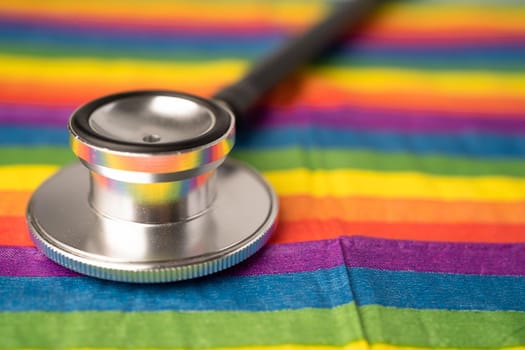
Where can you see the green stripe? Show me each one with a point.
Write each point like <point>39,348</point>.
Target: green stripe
<point>36,155</point>
<point>292,158</point>
<point>338,326</point>
<point>54,51</point>
<point>333,62</point>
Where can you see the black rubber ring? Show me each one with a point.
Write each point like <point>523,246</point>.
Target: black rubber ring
<point>79,124</point>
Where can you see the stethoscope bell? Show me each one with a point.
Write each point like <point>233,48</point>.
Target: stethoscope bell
<point>153,198</point>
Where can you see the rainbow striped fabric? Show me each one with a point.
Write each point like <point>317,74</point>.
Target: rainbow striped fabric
<point>398,159</point>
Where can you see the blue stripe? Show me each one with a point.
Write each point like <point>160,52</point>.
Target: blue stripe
<point>428,290</point>
<point>464,144</point>
<point>324,288</point>
<point>78,41</point>
<point>488,57</point>
<point>157,45</point>
<point>20,29</point>
<point>33,136</point>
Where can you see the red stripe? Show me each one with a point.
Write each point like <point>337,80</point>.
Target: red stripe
<point>312,230</point>
<point>314,93</point>
<point>14,232</point>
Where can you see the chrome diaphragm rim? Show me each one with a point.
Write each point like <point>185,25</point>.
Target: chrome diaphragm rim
<point>223,243</point>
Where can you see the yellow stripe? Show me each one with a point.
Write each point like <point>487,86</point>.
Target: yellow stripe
<point>436,16</point>
<point>187,74</point>
<point>465,83</point>
<point>396,185</point>
<point>338,183</point>
<point>85,70</point>
<point>24,177</point>
<point>358,345</point>
<point>200,11</point>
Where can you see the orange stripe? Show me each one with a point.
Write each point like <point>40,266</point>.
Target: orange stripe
<point>261,23</point>
<point>313,93</point>
<point>13,231</point>
<point>319,92</point>
<point>13,203</point>
<point>312,230</point>
<point>304,207</point>
<point>390,19</point>
<point>45,93</point>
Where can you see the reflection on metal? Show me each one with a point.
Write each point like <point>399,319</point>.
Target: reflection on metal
<point>153,199</point>
<point>130,212</point>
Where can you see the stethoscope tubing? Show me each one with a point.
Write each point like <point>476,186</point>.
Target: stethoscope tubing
<point>242,96</point>
<point>165,203</point>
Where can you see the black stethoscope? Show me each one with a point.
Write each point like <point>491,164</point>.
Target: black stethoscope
<point>154,197</point>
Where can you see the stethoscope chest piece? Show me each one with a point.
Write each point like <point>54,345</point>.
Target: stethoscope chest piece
<point>153,198</point>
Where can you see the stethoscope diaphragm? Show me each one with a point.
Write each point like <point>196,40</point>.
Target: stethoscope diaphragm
<point>154,197</point>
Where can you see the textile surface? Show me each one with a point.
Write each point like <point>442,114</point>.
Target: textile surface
<point>398,159</point>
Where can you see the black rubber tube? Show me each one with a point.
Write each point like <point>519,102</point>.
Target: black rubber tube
<point>243,95</point>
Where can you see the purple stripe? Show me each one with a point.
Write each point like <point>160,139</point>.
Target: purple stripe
<point>463,258</point>
<point>29,261</point>
<point>355,251</point>
<point>420,40</point>
<point>348,117</point>
<point>34,115</point>
<point>406,121</point>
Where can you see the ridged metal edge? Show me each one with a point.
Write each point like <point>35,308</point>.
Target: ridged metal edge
<point>157,275</point>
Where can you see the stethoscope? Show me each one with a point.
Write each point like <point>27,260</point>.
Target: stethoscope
<point>154,197</point>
